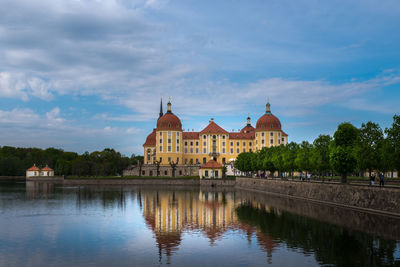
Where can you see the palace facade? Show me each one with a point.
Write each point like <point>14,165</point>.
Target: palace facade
<point>170,144</point>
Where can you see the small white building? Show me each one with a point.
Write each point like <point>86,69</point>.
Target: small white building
<point>47,171</point>
<point>33,171</point>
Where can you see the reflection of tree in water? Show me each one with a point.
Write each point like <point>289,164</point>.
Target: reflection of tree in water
<point>329,243</point>
<point>116,197</point>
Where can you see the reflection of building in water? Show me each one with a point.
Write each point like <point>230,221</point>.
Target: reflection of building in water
<point>38,189</point>
<point>169,214</point>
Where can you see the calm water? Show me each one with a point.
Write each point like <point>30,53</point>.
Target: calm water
<point>50,225</point>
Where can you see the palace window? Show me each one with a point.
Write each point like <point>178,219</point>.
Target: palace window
<point>262,141</point>
<point>185,143</point>
<point>143,172</point>
<point>262,134</point>
<point>256,142</point>
<point>185,161</point>
<point>279,134</point>
<point>272,134</point>
<point>177,141</point>
<point>180,172</point>
<point>244,143</point>
<point>283,139</point>
<point>191,143</point>
<point>223,150</point>
<point>237,144</point>
<point>197,161</point>
<point>256,134</point>
<point>223,160</point>
<point>223,143</point>
<point>169,159</point>
<point>204,143</point>
<point>165,172</point>
<point>206,173</point>
<point>231,150</point>
<point>223,137</point>
<point>204,150</point>
<point>169,148</point>
<point>197,143</point>
<point>177,148</point>
<point>204,136</point>
<point>160,141</point>
<point>250,144</point>
<point>169,140</point>
<point>214,137</point>
<point>279,141</point>
<point>197,150</point>
<point>237,151</point>
<point>191,150</point>
<point>244,149</point>
<point>271,141</point>
<point>160,148</point>
<point>169,133</point>
<point>177,134</point>
<point>160,133</point>
<point>231,143</point>
<point>204,160</point>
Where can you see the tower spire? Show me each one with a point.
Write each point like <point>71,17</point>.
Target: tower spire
<point>268,107</point>
<point>169,105</point>
<point>161,109</point>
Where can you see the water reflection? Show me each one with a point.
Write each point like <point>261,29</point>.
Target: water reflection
<point>279,228</point>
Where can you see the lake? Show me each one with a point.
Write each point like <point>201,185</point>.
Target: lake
<point>45,224</point>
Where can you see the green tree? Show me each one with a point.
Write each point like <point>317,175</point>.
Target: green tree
<point>367,149</point>
<point>341,155</point>
<point>320,154</point>
<point>289,157</point>
<point>303,159</point>
<point>393,136</point>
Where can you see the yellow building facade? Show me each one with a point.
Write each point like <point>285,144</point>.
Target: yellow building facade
<point>169,144</point>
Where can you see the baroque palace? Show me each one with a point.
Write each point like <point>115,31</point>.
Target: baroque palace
<point>169,145</point>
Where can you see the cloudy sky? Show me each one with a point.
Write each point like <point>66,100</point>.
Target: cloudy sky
<point>85,75</point>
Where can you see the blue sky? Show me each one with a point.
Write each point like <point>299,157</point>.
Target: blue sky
<point>86,75</point>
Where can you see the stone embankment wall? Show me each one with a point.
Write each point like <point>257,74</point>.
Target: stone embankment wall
<point>152,181</point>
<point>375,199</point>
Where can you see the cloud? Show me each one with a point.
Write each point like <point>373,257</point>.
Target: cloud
<point>28,128</point>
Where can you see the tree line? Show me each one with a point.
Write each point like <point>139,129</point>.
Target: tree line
<point>14,161</point>
<point>351,150</point>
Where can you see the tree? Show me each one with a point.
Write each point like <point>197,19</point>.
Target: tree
<point>277,158</point>
<point>368,147</point>
<point>304,156</point>
<point>320,154</point>
<point>341,155</point>
<point>244,162</point>
<point>393,136</point>
<point>289,157</point>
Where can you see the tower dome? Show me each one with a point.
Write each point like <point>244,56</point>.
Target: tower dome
<point>268,122</point>
<point>169,121</point>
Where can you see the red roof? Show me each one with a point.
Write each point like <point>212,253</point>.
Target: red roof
<point>249,135</point>
<point>212,127</point>
<point>268,122</point>
<point>33,168</point>
<point>211,164</point>
<point>190,135</point>
<point>151,139</point>
<point>284,134</point>
<point>247,129</point>
<point>169,121</point>
<point>47,168</point>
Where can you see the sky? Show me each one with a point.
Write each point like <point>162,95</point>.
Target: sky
<point>87,75</point>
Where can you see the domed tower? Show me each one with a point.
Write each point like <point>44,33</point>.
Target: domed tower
<point>269,130</point>
<point>169,138</point>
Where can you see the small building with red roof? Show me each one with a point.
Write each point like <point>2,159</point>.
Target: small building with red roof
<point>211,170</point>
<point>33,171</point>
<point>47,171</point>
